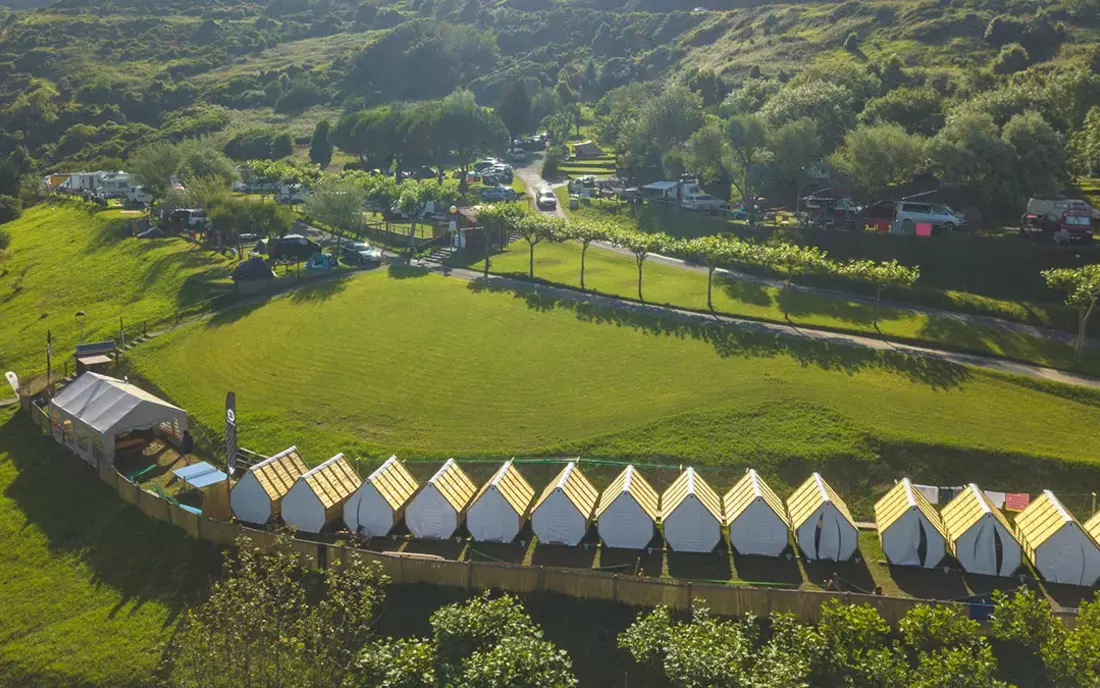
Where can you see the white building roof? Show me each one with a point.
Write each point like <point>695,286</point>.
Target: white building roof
<point>104,403</point>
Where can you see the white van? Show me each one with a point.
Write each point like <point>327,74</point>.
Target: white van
<point>935,214</point>
<point>702,201</point>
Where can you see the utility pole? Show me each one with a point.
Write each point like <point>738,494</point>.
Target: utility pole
<point>49,381</point>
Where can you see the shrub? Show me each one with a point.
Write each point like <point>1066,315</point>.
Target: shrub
<point>554,158</point>
<point>10,209</point>
<point>851,43</point>
<point>5,239</point>
<point>1012,58</point>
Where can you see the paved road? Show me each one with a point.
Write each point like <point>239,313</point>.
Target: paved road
<point>531,174</point>
<point>786,330</point>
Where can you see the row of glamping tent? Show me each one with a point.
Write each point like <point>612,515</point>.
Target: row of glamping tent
<point>627,514</point>
<point>973,530</point>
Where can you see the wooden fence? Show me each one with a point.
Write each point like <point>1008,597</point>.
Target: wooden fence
<point>723,599</point>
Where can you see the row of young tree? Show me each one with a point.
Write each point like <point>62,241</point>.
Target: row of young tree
<point>271,621</point>
<point>719,251</point>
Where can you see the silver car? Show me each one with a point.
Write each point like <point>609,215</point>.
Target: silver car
<point>936,214</point>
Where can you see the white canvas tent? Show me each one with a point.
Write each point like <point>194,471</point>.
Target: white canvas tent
<point>691,513</point>
<point>979,535</point>
<point>822,524</point>
<point>93,410</point>
<point>318,496</point>
<point>436,511</point>
<point>627,514</point>
<point>380,501</point>
<point>563,512</point>
<point>757,518</point>
<point>500,507</point>
<point>258,495</point>
<point>910,529</point>
<point>1056,544</point>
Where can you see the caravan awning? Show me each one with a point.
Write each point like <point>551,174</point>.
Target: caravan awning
<point>661,186</point>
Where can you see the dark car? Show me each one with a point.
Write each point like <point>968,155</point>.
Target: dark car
<point>292,248</point>
<point>360,253</point>
<point>546,199</point>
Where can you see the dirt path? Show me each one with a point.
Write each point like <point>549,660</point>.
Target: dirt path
<point>531,174</point>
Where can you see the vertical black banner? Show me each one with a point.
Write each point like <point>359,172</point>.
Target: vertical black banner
<point>231,431</point>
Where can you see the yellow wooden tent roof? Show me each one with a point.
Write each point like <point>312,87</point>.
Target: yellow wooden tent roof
<point>1092,527</point>
<point>967,508</point>
<point>899,500</point>
<point>277,474</point>
<point>691,483</point>
<point>455,486</point>
<point>631,482</point>
<point>810,496</point>
<point>746,491</point>
<point>1040,521</point>
<point>393,482</point>
<point>576,488</point>
<point>512,486</point>
<point>333,481</point>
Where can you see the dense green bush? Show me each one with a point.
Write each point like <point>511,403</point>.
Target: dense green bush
<point>1012,58</point>
<point>10,209</point>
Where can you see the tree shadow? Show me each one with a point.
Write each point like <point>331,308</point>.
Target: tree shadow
<point>744,340</point>
<point>406,271</point>
<point>844,576</point>
<point>757,569</point>
<point>579,557</point>
<point>745,291</point>
<point>506,552</point>
<point>322,290</point>
<point>448,549</point>
<point>635,562</point>
<point>800,303</point>
<point>62,497</point>
<point>701,566</point>
<point>947,582</point>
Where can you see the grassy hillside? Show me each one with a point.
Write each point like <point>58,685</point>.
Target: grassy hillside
<point>64,259</point>
<point>91,586</point>
<point>426,366</point>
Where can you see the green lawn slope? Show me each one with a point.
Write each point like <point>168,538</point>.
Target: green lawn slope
<point>65,259</point>
<point>614,273</point>
<point>90,587</point>
<point>429,367</point>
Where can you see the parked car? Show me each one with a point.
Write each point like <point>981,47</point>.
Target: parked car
<point>1061,219</point>
<point>704,202</point>
<point>485,164</point>
<point>546,199</point>
<point>498,193</point>
<point>152,233</point>
<point>360,253</point>
<point>188,217</point>
<point>517,155</point>
<point>291,248</point>
<point>321,261</point>
<point>938,215</point>
<point>423,173</point>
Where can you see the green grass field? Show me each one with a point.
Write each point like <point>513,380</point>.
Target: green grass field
<point>91,586</point>
<point>613,273</point>
<point>429,367</point>
<point>64,259</point>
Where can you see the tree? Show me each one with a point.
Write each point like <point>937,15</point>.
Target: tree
<point>708,156</point>
<point>790,259</point>
<point>851,43</point>
<point>1040,149</point>
<point>746,136</point>
<point>881,276</point>
<point>918,110</point>
<point>927,628</point>
<point>499,219</point>
<point>1074,656</point>
<point>535,227</point>
<point>155,165</point>
<point>472,130</point>
<point>969,152</point>
<point>320,149</point>
<point>270,622</point>
<point>1012,58</point>
<point>338,205</point>
<point>714,251</point>
<point>828,103</point>
<point>482,643</point>
<point>878,156</point>
<point>641,244</point>
<point>1084,145</point>
<point>652,127</point>
<point>1082,287</point>
<point>795,147</point>
<point>557,126</point>
<point>1023,618</point>
<point>199,160</point>
<point>413,197</point>
<point>585,232</point>
<point>514,107</point>
<point>10,209</point>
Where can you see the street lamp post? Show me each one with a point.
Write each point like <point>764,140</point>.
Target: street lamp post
<point>80,316</point>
